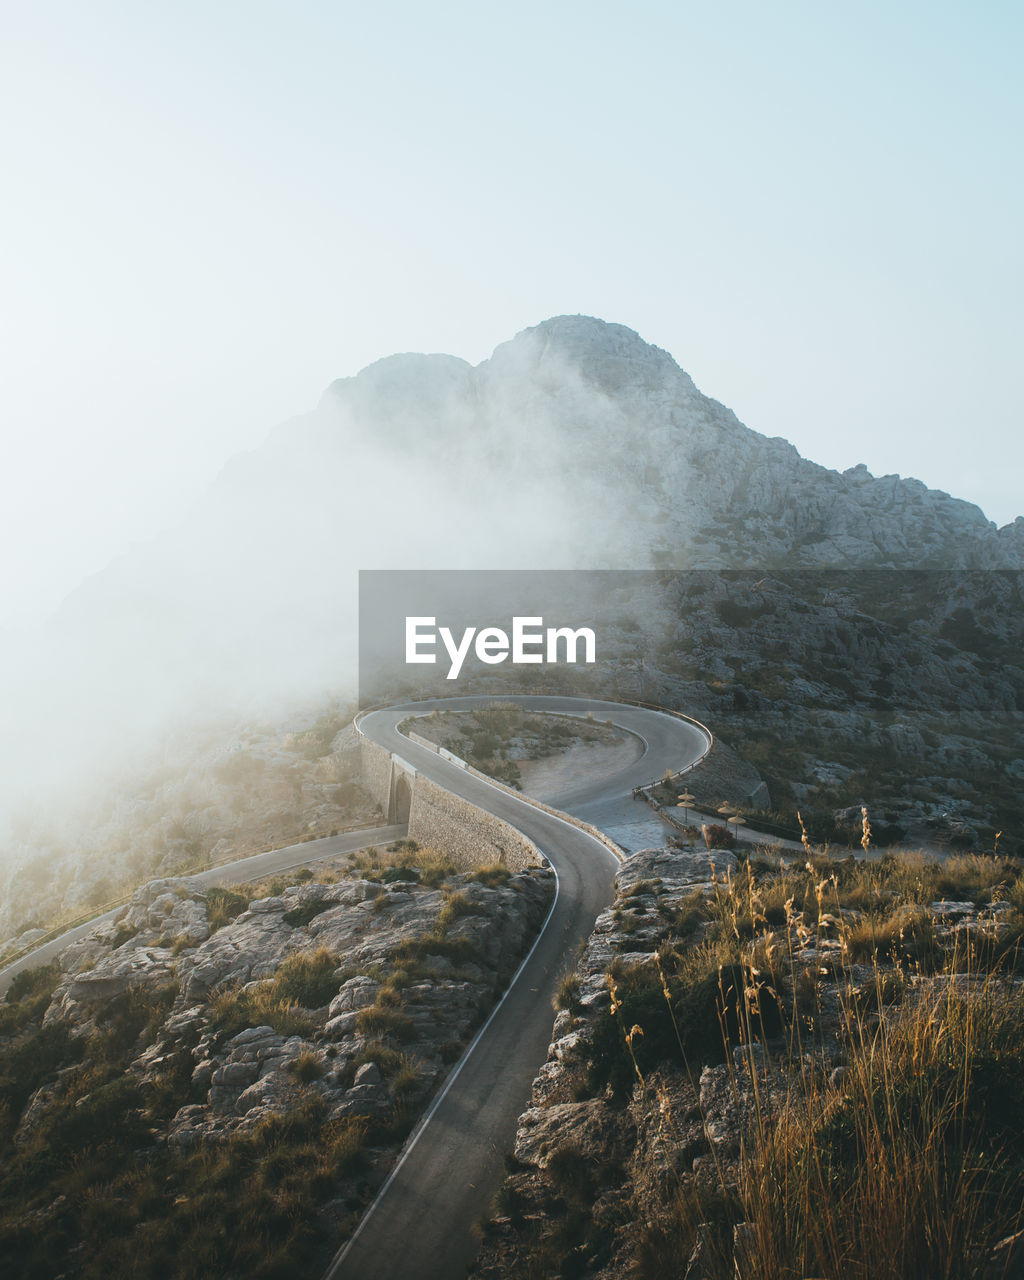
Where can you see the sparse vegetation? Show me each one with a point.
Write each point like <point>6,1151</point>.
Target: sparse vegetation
<point>404,860</point>
<point>899,1158</point>
<point>96,1174</point>
<point>28,997</point>
<point>309,978</point>
<point>307,1067</point>
<point>223,905</point>
<point>224,802</point>
<point>497,738</point>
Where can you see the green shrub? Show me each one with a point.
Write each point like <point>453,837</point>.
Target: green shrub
<point>134,1014</point>
<point>28,997</point>
<point>32,1061</point>
<point>32,982</point>
<point>110,1112</point>
<point>457,950</point>
<point>301,915</point>
<point>307,1067</point>
<point>223,905</point>
<point>401,872</point>
<point>308,978</point>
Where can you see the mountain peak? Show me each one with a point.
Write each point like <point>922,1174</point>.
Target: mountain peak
<point>610,356</point>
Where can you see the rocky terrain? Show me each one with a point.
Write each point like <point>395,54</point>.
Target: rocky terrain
<point>637,1154</point>
<point>903,692</point>
<point>617,421</point>
<point>209,1019</point>
<point>904,695</point>
<point>209,797</point>
<point>891,687</point>
<point>573,1130</point>
<point>500,739</point>
<point>593,445</point>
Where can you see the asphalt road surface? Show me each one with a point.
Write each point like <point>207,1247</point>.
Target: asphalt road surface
<point>255,867</point>
<point>420,1225</point>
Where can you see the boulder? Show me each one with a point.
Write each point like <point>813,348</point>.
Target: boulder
<point>368,1073</point>
<point>543,1130</point>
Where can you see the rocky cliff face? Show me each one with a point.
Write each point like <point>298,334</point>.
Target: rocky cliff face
<point>622,431</point>
<point>290,1035</point>
<point>576,445</point>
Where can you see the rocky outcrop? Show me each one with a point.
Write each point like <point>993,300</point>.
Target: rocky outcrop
<point>561,1132</point>
<point>694,485</point>
<point>161,947</point>
<point>600,1168</point>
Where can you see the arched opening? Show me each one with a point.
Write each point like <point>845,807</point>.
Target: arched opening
<point>401,801</point>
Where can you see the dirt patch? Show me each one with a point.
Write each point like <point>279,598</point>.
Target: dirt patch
<point>581,763</point>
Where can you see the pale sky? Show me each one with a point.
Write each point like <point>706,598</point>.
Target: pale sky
<point>211,210</point>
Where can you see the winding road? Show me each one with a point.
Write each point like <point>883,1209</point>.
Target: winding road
<point>255,867</point>
<point>419,1227</point>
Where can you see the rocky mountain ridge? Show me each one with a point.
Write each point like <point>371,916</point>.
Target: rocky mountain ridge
<point>625,420</point>
<point>576,445</point>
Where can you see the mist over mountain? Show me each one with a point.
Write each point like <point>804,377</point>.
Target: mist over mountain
<point>577,444</point>
<point>590,411</point>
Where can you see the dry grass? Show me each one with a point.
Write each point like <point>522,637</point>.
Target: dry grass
<point>404,860</point>
<point>306,981</point>
<point>307,1067</point>
<point>905,1165</point>
<point>455,906</point>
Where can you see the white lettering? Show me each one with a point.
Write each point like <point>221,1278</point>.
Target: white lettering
<point>413,640</point>
<point>571,638</point>
<point>530,643</point>
<point>492,645</point>
<point>521,637</point>
<point>457,652</point>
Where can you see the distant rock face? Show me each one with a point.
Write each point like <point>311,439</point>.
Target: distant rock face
<point>688,483</point>
<point>576,445</point>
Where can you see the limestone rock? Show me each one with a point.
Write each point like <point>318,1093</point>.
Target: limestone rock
<point>543,1130</point>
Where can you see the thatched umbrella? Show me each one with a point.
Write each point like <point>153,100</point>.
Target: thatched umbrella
<point>683,802</point>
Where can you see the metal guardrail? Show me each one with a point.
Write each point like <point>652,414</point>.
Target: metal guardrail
<point>56,930</point>
<point>679,715</point>
<point>622,702</point>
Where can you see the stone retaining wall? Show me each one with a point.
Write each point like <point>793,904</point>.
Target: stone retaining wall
<point>467,834</point>
<point>376,770</point>
<point>470,836</point>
